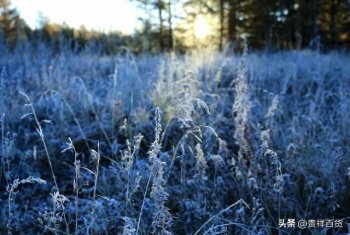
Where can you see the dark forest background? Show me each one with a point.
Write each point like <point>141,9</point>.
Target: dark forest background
<point>269,24</point>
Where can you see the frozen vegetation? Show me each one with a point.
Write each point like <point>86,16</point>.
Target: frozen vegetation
<point>203,143</point>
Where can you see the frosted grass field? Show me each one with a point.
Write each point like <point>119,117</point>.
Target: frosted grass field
<point>204,143</point>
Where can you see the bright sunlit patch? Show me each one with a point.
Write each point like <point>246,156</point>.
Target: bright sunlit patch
<point>201,27</point>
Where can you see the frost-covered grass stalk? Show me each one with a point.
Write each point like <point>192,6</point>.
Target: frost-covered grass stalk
<point>201,164</point>
<point>162,219</point>
<point>221,212</point>
<point>2,119</point>
<point>128,159</point>
<point>52,219</point>
<point>76,186</point>
<point>242,104</point>
<point>12,189</point>
<point>155,164</point>
<point>42,137</point>
<point>41,134</point>
<point>97,157</point>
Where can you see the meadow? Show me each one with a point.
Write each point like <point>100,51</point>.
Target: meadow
<point>202,143</point>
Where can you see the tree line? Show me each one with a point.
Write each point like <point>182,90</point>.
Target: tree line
<point>266,24</point>
<point>167,24</point>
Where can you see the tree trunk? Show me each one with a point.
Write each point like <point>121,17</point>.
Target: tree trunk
<point>314,14</point>
<point>333,23</point>
<point>232,21</point>
<point>171,38</point>
<point>222,15</point>
<point>161,30</point>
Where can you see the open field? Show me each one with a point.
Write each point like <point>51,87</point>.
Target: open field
<point>203,143</point>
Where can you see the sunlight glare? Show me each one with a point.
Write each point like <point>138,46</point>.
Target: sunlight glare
<point>201,27</point>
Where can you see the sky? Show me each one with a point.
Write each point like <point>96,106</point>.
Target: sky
<point>102,15</point>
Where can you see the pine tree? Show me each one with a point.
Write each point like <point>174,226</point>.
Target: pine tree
<point>11,24</point>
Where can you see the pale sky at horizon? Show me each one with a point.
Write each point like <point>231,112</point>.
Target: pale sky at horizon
<point>102,15</point>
